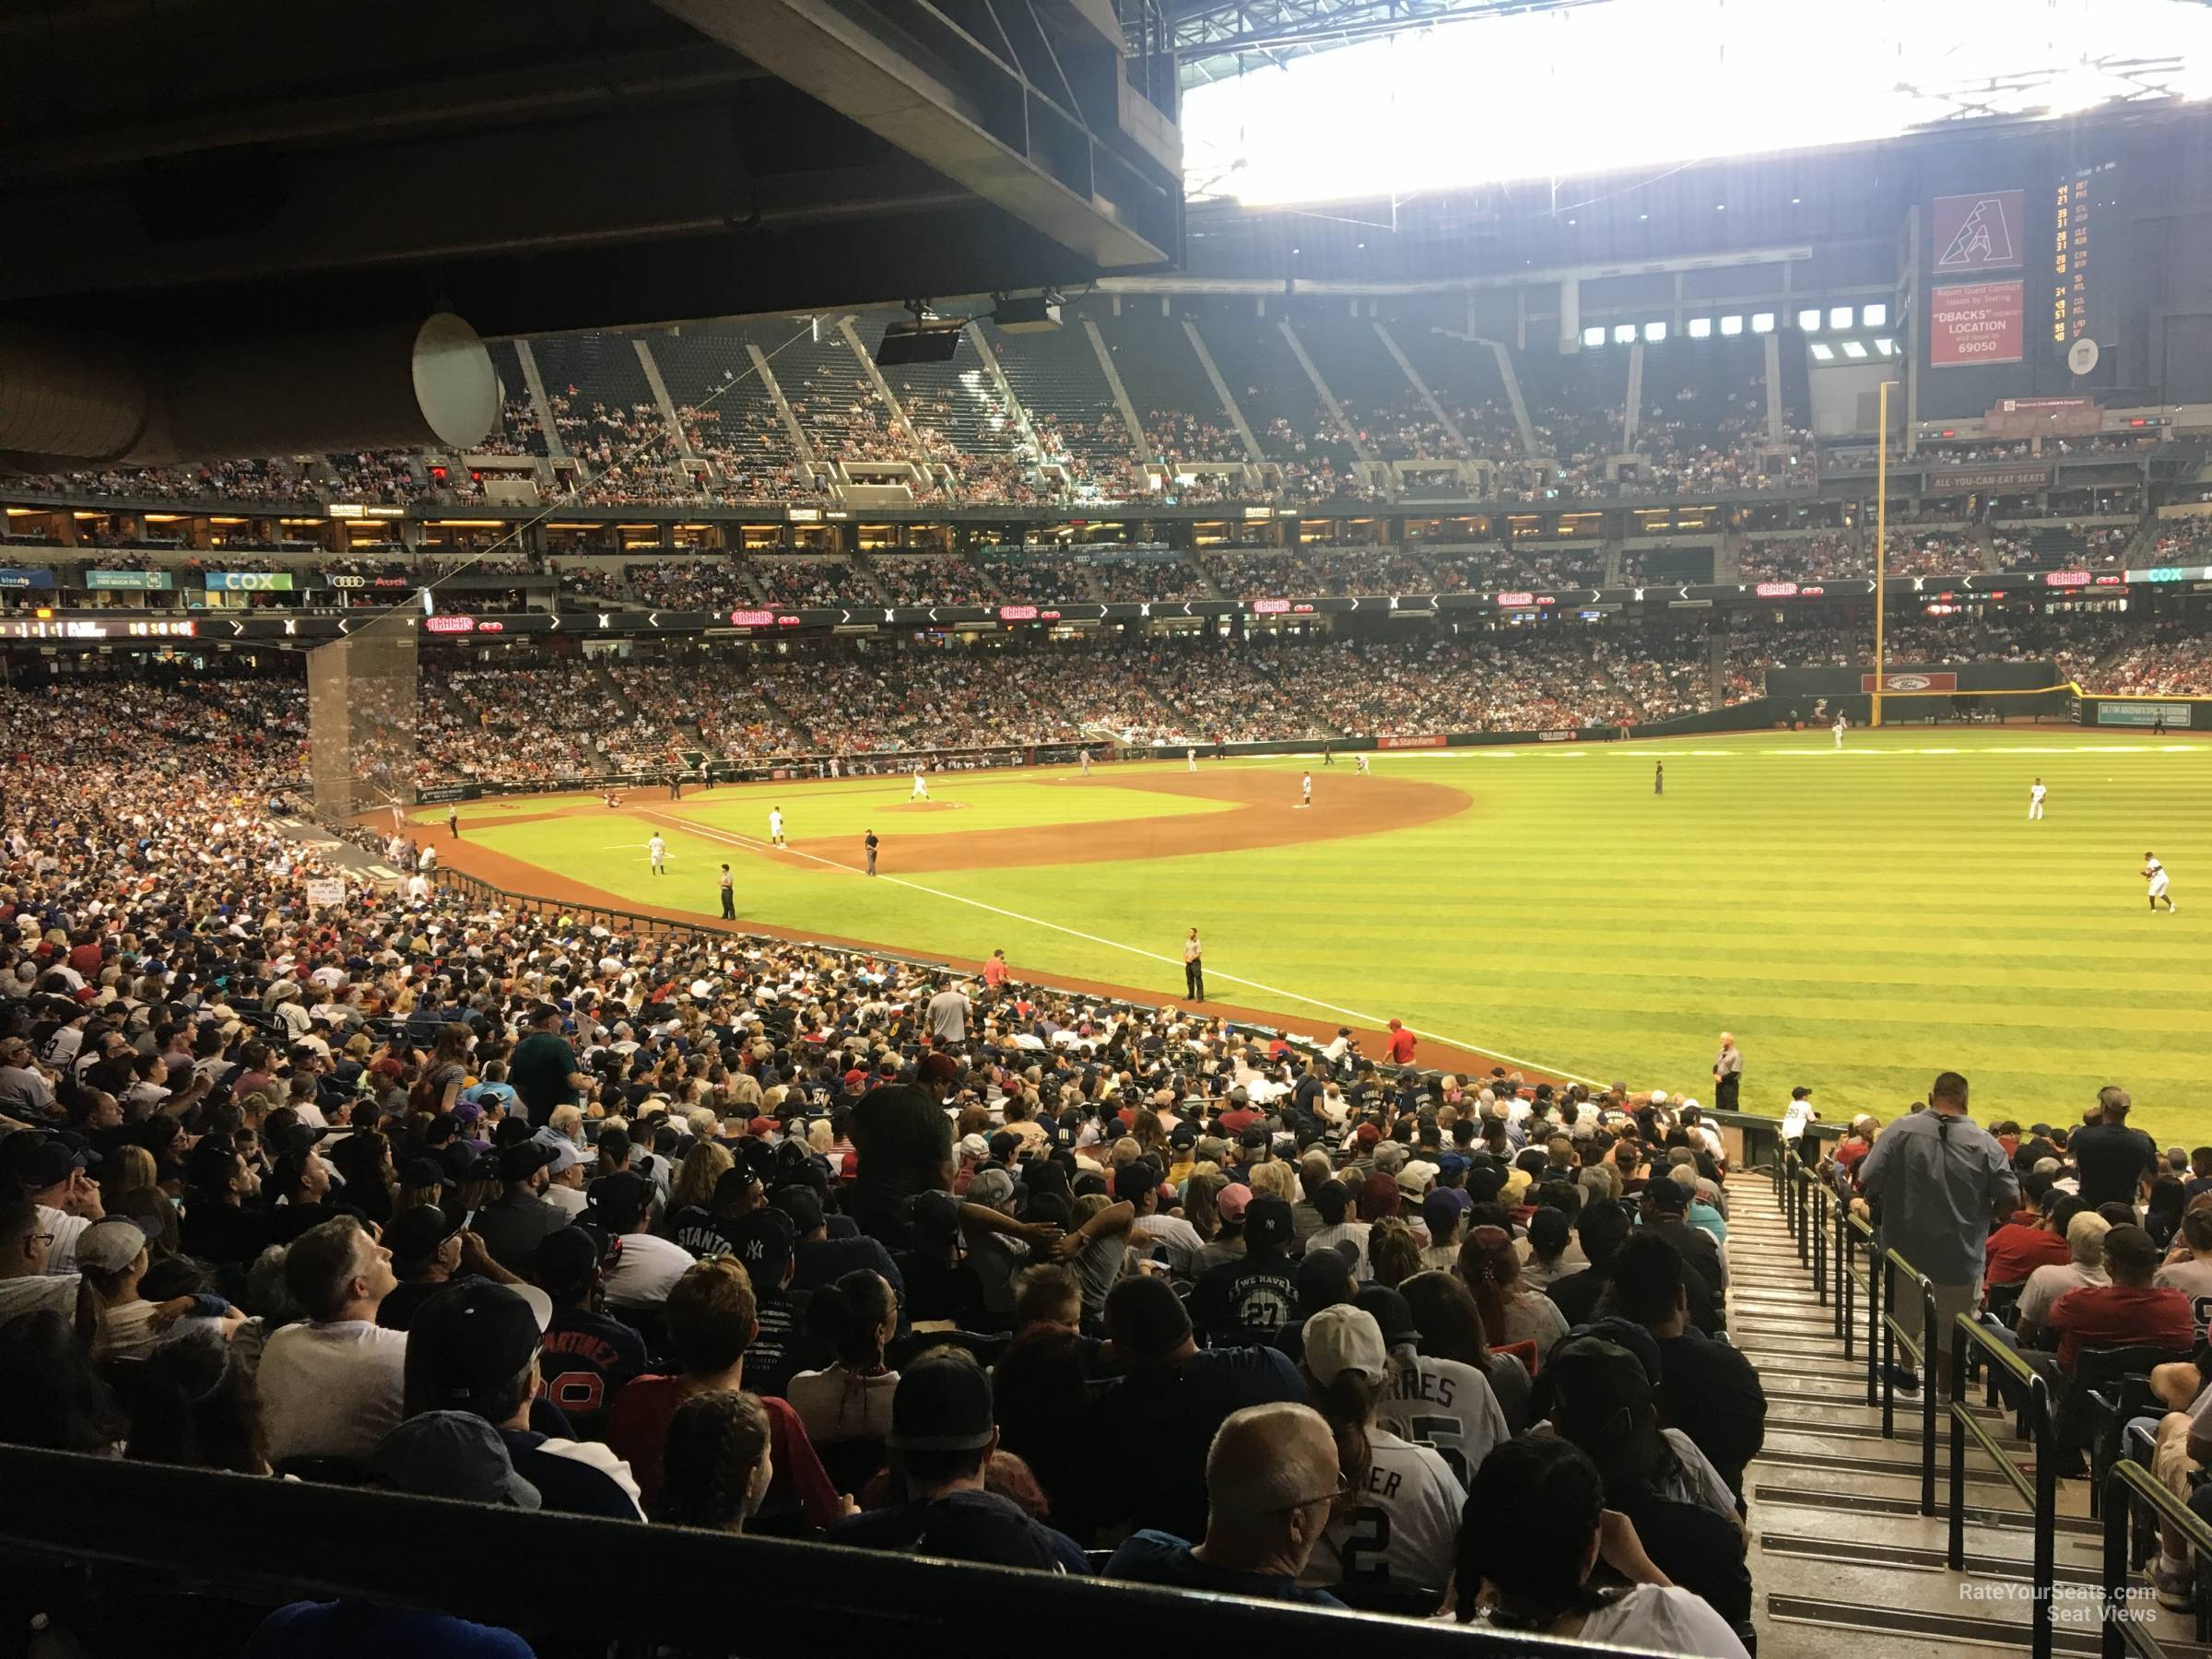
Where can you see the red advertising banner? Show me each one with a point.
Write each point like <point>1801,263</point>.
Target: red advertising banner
<point>1974,323</point>
<point>1912,682</point>
<point>1979,232</point>
<point>1431,742</point>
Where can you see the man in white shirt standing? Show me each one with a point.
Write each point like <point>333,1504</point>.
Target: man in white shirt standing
<point>333,1385</point>
<point>775,825</point>
<point>1798,1114</point>
<point>2035,800</point>
<point>921,787</point>
<point>657,850</point>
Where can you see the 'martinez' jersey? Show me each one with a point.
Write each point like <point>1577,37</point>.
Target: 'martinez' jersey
<point>1444,1403</point>
<point>1402,1530</point>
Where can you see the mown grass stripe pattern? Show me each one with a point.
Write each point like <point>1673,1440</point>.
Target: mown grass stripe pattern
<point>1861,920</point>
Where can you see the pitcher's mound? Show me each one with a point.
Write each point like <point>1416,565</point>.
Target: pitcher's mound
<point>927,807</point>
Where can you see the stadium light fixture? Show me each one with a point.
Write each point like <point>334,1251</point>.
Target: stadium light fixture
<point>1762,322</point>
<point>1700,328</point>
<point>1823,353</point>
<point>1855,349</point>
<point>1624,333</point>
<point>1839,317</point>
<point>1874,316</point>
<point>1809,320</point>
<point>1654,333</point>
<point>1887,347</point>
<point>1732,325</point>
<point>1594,334</point>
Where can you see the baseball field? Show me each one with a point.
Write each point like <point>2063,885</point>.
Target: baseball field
<point>1859,919</point>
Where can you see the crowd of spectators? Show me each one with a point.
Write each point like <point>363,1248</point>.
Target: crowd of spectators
<point>428,1191</point>
<point>798,580</point>
<point>930,578</point>
<point>2173,659</point>
<point>1249,573</point>
<point>1142,582</point>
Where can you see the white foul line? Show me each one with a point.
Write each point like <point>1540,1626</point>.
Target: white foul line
<point>1076,933</point>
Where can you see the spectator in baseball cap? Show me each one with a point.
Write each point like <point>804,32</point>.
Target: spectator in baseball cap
<point>427,1250</point>
<point>1172,1396</point>
<point>1409,1484</point>
<point>942,1437</point>
<point>587,1356</point>
<point>473,1347</point>
<point>1249,1298</point>
<point>434,1454</point>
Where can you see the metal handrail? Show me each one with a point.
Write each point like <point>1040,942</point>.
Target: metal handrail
<point>1801,1180</point>
<point>2041,1493</point>
<point>1822,1201</point>
<point>1923,1353</point>
<point>1862,1232</point>
<point>2127,1483</point>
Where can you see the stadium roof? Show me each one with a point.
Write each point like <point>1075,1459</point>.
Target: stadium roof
<point>1215,39</point>
<point>547,164</point>
<point>1316,100</point>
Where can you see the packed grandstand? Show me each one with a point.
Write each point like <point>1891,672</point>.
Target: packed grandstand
<point>332,1172</point>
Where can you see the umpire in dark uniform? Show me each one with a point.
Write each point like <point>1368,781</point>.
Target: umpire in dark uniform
<point>871,844</point>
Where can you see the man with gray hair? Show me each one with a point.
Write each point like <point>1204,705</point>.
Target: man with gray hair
<point>1272,1482</point>
<point>1938,1179</point>
<point>2115,1163</point>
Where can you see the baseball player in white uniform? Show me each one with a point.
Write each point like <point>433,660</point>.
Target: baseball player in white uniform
<point>1360,760</point>
<point>1190,759</point>
<point>775,825</point>
<point>2035,800</point>
<point>1305,786</point>
<point>657,850</point>
<point>1838,731</point>
<point>921,787</point>
<point>2155,873</point>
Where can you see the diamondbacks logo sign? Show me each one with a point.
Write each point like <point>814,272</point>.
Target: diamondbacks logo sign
<point>1979,232</point>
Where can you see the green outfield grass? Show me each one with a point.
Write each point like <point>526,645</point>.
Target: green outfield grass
<point>1860,920</point>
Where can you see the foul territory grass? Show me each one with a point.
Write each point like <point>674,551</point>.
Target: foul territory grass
<point>1860,920</point>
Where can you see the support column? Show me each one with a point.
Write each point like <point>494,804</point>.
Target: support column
<point>1137,446</point>
<point>540,401</point>
<point>1221,391</point>
<point>1420,386</point>
<point>660,397</point>
<point>1320,388</point>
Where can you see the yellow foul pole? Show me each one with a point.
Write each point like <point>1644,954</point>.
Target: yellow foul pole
<point>1881,541</point>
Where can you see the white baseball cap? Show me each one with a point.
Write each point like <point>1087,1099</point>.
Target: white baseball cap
<point>1345,1338</point>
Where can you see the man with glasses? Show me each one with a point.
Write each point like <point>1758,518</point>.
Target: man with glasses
<point>1272,1482</point>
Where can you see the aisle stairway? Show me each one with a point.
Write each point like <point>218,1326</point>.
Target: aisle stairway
<point>1841,1558</point>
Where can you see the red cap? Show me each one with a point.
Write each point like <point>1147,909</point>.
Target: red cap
<point>1366,1135</point>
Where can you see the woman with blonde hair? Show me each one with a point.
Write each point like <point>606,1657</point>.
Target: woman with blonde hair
<point>696,1176</point>
<point>126,1167</point>
<point>1273,1179</point>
